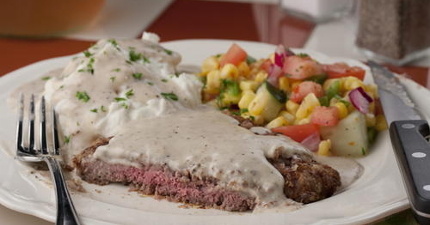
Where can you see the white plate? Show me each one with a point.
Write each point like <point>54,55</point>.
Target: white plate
<point>377,193</point>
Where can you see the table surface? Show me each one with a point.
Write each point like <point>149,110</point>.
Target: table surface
<point>185,19</point>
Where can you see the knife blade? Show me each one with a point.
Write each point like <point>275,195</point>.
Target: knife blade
<point>409,134</point>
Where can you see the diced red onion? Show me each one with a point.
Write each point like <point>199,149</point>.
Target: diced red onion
<point>275,73</point>
<point>279,56</point>
<point>360,99</point>
<point>312,142</point>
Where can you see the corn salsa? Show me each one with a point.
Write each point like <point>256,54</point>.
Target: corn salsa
<point>326,107</point>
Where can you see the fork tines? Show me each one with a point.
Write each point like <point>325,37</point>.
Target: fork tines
<point>30,146</point>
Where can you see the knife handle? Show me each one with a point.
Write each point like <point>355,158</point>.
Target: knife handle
<point>412,151</point>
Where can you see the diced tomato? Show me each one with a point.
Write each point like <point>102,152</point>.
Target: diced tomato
<point>338,70</point>
<point>306,87</point>
<point>325,116</point>
<point>299,67</point>
<point>298,132</point>
<point>266,65</point>
<point>234,55</point>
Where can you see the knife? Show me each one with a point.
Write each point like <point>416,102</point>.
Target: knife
<point>409,134</point>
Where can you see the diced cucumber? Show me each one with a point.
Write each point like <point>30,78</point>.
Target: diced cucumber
<point>349,136</point>
<point>265,104</point>
<point>276,93</point>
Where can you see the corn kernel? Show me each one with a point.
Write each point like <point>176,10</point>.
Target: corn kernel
<point>284,84</point>
<point>372,107</point>
<point>372,90</point>
<point>288,116</point>
<point>381,123</point>
<point>209,64</point>
<point>277,122</point>
<point>342,109</point>
<point>261,76</point>
<point>244,70</point>
<point>302,121</point>
<point>324,147</point>
<point>291,107</point>
<point>350,83</point>
<point>247,97</point>
<point>248,85</point>
<point>370,120</point>
<point>308,104</point>
<point>258,120</point>
<point>256,106</point>
<point>229,71</point>
<point>213,82</point>
<point>228,99</point>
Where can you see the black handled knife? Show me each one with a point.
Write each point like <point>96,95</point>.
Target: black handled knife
<point>409,134</point>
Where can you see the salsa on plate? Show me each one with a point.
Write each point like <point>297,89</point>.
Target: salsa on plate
<point>326,107</point>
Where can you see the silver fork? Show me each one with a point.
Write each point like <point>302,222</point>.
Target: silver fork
<point>33,151</point>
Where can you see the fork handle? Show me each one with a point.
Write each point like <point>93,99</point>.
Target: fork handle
<point>66,213</point>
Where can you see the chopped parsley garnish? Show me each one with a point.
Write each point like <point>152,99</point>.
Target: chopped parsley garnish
<point>320,78</point>
<point>345,102</point>
<point>114,43</point>
<point>228,90</point>
<point>236,113</point>
<point>134,56</point>
<point>129,93</point>
<point>168,52</point>
<point>46,78</point>
<point>125,106</point>
<point>137,75</point>
<point>95,110</point>
<point>164,80</point>
<point>116,70</point>
<point>103,108</point>
<point>89,67</point>
<point>83,96</point>
<point>170,96</point>
<point>302,55</point>
<point>112,79</point>
<point>88,54</point>
<point>250,60</point>
<point>230,87</point>
<point>245,110</point>
<point>150,83</point>
<point>120,99</point>
<point>67,139</point>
